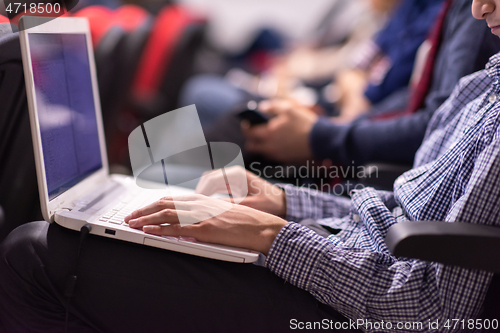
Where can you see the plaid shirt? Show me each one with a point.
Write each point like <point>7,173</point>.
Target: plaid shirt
<point>455,178</point>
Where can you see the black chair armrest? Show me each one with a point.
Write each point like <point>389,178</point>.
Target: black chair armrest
<point>459,244</point>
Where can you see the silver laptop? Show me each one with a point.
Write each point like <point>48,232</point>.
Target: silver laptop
<point>73,178</point>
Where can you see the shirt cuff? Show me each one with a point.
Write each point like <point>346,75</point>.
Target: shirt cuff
<point>295,253</point>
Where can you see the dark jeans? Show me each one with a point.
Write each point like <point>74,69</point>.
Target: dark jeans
<point>124,287</point>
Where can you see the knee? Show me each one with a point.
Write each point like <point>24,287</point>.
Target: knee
<point>28,296</point>
<point>18,250</point>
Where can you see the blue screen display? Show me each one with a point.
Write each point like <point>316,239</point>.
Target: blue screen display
<point>66,110</point>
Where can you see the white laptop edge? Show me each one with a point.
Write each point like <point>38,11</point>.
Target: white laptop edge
<point>68,25</point>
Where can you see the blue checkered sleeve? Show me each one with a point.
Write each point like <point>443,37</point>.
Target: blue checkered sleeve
<point>441,131</point>
<point>481,201</point>
<point>455,179</point>
<point>370,286</point>
<point>358,283</point>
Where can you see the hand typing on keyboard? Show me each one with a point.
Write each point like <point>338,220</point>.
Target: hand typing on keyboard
<point>127,205</point>
<point>255,192</point>
<point>238,226</point>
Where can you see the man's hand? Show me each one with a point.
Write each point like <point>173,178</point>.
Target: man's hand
<point>240,226</point>
<point>246,188</point>
<point>285,138</point>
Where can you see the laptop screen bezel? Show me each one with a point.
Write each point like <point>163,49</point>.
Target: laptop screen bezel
<point>61,25</point>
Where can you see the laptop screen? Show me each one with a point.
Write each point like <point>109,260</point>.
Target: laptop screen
<point>66,111</point>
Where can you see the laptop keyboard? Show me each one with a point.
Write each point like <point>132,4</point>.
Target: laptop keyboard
<point>127,205</point>
<point>133,202</point>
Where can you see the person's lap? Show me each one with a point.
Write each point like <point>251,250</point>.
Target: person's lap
<point>125,287</point>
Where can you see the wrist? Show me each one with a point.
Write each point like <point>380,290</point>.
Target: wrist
<point>270,233</point>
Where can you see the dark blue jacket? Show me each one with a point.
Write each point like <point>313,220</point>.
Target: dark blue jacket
<point>399,40</point>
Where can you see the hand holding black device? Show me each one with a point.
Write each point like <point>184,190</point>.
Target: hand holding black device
<point>252,115</point>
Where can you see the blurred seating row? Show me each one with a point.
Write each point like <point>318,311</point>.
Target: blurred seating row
<point>142,62</point>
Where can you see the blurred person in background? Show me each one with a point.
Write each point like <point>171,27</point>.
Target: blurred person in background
<point>392,129</point>
<point>346,30</point>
